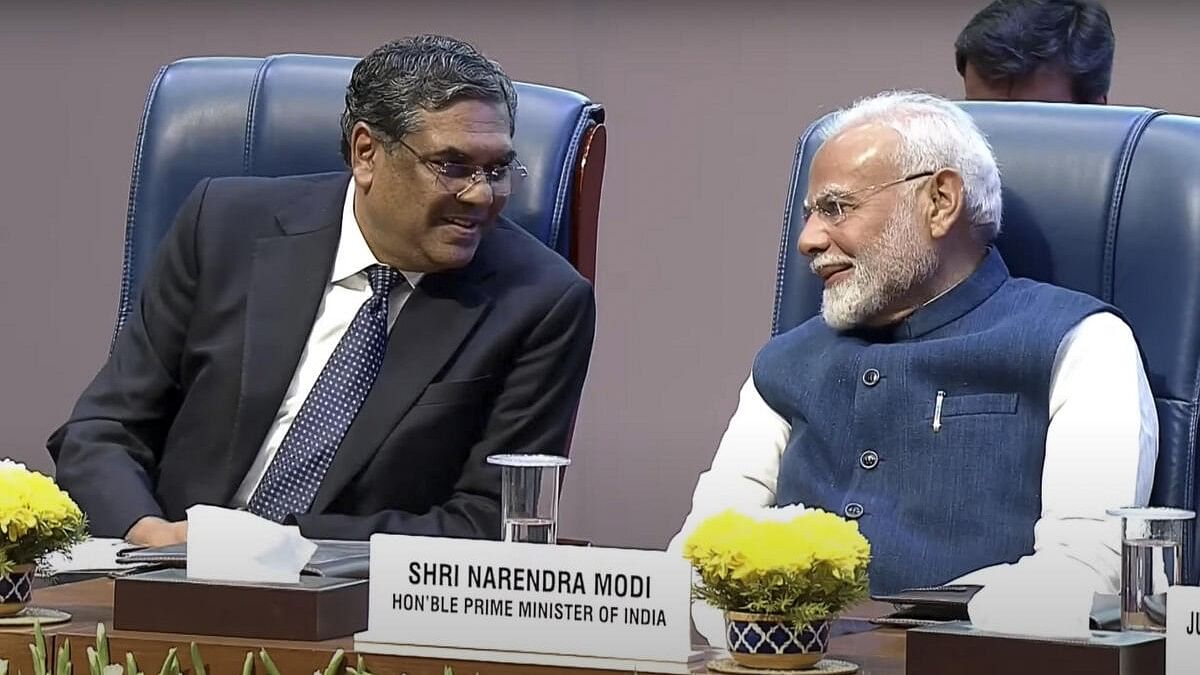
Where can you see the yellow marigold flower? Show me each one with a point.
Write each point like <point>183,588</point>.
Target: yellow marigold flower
<point>790,561</point>
<point>36,516</point>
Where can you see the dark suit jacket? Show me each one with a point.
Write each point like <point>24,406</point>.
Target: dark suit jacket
<point>483,360</point>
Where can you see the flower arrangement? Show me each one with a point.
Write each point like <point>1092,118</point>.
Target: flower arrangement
<point>802,565</point>
<point>36,517</point>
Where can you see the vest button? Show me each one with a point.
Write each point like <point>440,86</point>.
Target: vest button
<point>853,510</point>
<point>871,377</point>
<point>868,460</point>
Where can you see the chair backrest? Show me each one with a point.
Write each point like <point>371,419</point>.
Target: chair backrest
<point>1101,199</point>
<point>280,115</point>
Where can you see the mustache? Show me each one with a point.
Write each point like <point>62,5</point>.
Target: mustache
<point>829,260</point>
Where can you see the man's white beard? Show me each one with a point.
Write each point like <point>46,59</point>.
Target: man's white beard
<point>882,273</point>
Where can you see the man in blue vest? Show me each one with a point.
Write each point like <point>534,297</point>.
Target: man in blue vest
<point>976,426</point>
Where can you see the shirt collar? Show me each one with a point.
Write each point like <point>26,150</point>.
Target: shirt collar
<point>353,254</point>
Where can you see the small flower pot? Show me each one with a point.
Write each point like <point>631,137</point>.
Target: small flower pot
<point>772,642</point>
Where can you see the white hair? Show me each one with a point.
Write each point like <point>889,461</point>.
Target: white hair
<point>935,134</point>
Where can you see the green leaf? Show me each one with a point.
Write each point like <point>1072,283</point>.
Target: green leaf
<point>197,662</point>
<point>102,644</point>
<point>38,648</point>
<point>335,663</point>
<point>166,666</point>
<point>63,662</point>
<point>3,667</point>
<point>94,666</point>
<point>33,657</point>
<point>267,662</point>
<point>248,664</point>
<point>360,668</point>
<point>131,667</point>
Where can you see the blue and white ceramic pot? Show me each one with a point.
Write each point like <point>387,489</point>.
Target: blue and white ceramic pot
<point>773,642</point>
<point>16,588</point>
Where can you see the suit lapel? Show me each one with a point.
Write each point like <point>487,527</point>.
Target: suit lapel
<point>438,317</point>
<point>287,284</point>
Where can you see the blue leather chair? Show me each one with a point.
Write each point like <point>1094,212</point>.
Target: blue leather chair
<point>274,116</point>
<point>1104,200</point>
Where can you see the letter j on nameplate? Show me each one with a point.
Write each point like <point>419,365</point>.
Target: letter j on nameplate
<point>534,604</point>
<point>1183,630</point>
<point>529,496</point>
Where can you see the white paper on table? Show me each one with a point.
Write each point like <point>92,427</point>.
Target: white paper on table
<point>97,554</point>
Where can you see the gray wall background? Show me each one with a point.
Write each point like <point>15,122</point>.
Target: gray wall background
<point>705,100</point>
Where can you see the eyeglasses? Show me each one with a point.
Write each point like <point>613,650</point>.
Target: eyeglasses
<point>833,208</point>
<point>459,178</point>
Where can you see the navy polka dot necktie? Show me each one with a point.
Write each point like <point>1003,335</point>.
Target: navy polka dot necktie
<point>291,481</point>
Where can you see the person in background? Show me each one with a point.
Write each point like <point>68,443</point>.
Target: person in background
<point>1037,50</point>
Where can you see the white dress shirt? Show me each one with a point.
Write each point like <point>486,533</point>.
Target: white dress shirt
<point>346,291</point>
<point>1101,448</point>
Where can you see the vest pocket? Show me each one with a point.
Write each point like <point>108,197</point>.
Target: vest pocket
<point>977,404</point>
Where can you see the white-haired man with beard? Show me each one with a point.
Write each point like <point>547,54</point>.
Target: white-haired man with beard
<point>975,425</point>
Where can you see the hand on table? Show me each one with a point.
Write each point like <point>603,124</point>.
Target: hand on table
<point>155,531</point>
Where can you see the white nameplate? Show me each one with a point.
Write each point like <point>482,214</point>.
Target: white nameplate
<point>575,604</point>
<point>1183,629</point>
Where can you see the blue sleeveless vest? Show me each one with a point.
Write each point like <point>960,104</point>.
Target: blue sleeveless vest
<point>936,500</point>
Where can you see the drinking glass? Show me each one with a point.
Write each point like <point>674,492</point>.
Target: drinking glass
<point>1151,562</point>
<point>529,486</point>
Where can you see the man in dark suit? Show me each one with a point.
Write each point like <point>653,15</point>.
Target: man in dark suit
<point>344,351</point>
